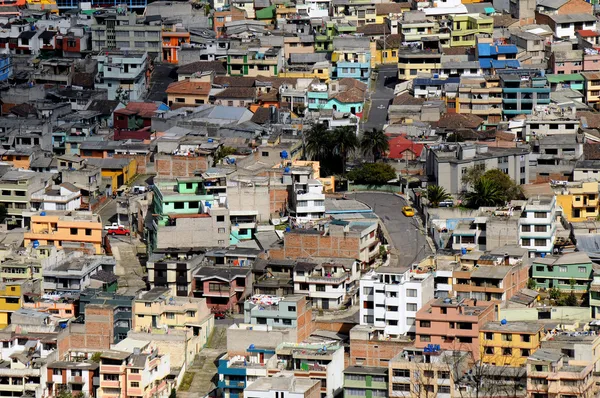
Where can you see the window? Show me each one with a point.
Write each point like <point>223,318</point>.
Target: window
<point>525,338</point>
<point>425,338</point>
<point>506,337</point>
<point>220,218</point>
<point>410,321</point>
<point>367,291</point>
<point>321,288</point>
<point>401,387</point>
<point>507,352</point>
<point>539,214</point>
<point>562,268</point>
<point>582,270</point>
<point>539,268</point>
<point>190,314</point>
<point>216,287</point>
<point>411,307</point>
<point>540,228</point>
<point>265,154</point>
<point>425,324</point>
<point>444,389</point>
<point>292,308</point>
<point>489,336</point>
<point>411,292</point>
<point>88,232</point>
<point>401,373</point>
<point>170,315</point>
<point>135,384</point>
<point>525,242</point>
<point>526,228</point>
<point>525,352</point>
<point>489,350</point>
<point>134,371</point>
<point>221,230</point>
<point>73,231</point>
<point>540,242</point>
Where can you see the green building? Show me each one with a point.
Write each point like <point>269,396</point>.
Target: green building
<point>595,294</point>
<point>365,381</point>
<point>561,271</point>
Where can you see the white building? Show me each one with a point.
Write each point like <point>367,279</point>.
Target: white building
<point>537,226</point>
<point>61,197</point>
<point>122,69</point>
<point>308,200</point>
<point>390,298</point>
<point>329,283</point>
<point>283,386</point>
<point>314,8</point>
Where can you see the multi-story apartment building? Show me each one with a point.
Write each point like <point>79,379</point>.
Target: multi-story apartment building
<point>453,324</point>
<point>509,343</point>
<point>447,164</point>
<point>253,61</point>
<point>16,191</point>
<point>143,372</point>
<point>114,29</point>
<point>537,225</point>
<point>465,27</point>
<point>365,381</point>
<point>418,372</point>
<point>591,89</point>
<point>290,312</point>
<point>119,307</point>
<point>74,377</point>
<point>122,73</point>
<point>173,271</point>
<point>576,347</point>
<point>65,196</point>
<point>426,58</point>
<point>308,200</point>
<point>351,58</point>
<point>579,201</point>
<point>550,120</point>
<point>172,40</point>
<point>74,272</point>
<point>390,298</point>
<point>60,228</point>
<point>11,297</point>
<point>522,91</point>
<point>358,12</point>
<point>224,287</point>
<point>481,96</point>
<point>548,371</point>
<point>412,30</point>
<point>560,271</point>
<point>329,283</point>
<point>494,282</point>
<point>158,308</point>
<point>321,362</point>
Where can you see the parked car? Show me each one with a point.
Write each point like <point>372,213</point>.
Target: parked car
<point>119,231</point>
<point>408,211</point>
<point>447,203</point>
<point>114,225</point>
<point>219,315</point>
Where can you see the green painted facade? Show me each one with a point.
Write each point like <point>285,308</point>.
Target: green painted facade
<point>559,274</point>
<point>365,381</point>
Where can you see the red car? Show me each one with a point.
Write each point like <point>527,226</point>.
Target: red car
<point>119,231</point>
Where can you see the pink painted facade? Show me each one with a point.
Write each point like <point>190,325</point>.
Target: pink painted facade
<point>453,325</point>
<point>59,309</point>
<point>591,63</point>
<point>224,288</point>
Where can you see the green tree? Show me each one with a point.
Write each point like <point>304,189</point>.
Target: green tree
<point>374,143</point>
<point>531,284</point>
<point>570,300</point>
<point>372,174</point>
<point>511,190</point>
<point>318,142</point>
<point>485,193</point>
<point>222,153</point>
<point>3,213</point>
<point>436,194</point>
<point>345,141</point>
<point>472,175</point>
<point>554,293</point>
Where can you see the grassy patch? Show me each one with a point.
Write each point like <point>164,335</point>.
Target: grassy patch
<point>186,382</point>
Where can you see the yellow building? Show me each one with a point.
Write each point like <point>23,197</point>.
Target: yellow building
<point>57,228</point>
<point>509,344</point>
<point>157,309</point>
<point>320,70</point>
<point>11,298</point>
<point>385,52</point>
<point>426,59</point>
<point>581,202</point>
<point>46,5</point>
<point>117,171</point>
<point>189,92</point>
<point>466,27</point>
<point>591,87</point>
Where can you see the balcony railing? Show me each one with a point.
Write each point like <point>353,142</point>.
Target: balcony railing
<point>325,279</point>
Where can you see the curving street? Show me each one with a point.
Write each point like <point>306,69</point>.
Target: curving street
<point>406,233</point>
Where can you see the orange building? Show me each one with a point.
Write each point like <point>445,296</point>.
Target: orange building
<point>12,3</point>
<point>171,44</point>
<point>59,227</point>
<point>222,17</point>
<point>453,324</point>
<point>63,310</point>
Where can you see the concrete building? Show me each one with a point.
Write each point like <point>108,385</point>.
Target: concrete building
<point>365,381</point>
<point>579,200</point>
<point>390,298</point>
<point>123,73</point>
<point>371,347</point>
<point>446,164</point>
<point>308,201</point>
<point>111,310</point>
<point>425,58</point>
<point>481,96</point>
<point>65,196</point>
<point>113,29</point>
<point>73,272</point>
<point>173,270</point>
<point>75,377</point>
<point>559,271</point>
<point>16,191</point>
<point>225,288</point>
<point>12,297</point>
<point>289,312</point>
<point>537,226</point>
<point>283,385</point>
<point>511,343</point>
<point>453,324</point>
<point>60,228</point>
<point>523,90</point>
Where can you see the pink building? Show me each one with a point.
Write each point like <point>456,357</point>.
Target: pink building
<point>61,309</point>
<point>224,288</point>
<point>566,62</point>
<point>453,324</point>
<point>591,60</point>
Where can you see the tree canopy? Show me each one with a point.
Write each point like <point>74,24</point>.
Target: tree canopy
<point>490,188</point>
<point>372,174</point>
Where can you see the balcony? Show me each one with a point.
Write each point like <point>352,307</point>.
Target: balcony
<point>324,279</point>
<point>231,384</point>
<point>236,61</point>
<point>75,380</point>
<point>111,369</point>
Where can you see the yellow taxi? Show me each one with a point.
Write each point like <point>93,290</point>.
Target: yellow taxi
<point>408,211</point>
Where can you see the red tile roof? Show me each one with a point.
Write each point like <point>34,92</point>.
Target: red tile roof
<point>588,33</point>
<point>189,87</point>
<point>143,109</point>
<point>400,144</point>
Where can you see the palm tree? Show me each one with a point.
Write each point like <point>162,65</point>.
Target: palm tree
<point>375,143</point>
<point>436,194</point>
<point>485,193</point>
<point>344,141</point>
<point>318,142</point>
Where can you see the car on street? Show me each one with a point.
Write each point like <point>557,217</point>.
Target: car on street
<point>114,225</point>
<point>408,211</point>
<point>219,315</point>
<point>119,231</point>
<point>447,203</point>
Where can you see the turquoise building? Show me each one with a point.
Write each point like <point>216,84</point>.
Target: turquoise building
<point>558,272</point>
<point>523,90</point>
<point>346,95</point>
<point>234,372</point>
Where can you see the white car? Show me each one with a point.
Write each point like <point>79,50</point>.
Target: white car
<point>113,226</point>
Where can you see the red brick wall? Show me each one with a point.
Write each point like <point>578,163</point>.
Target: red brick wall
<point>141,160</point>
<point>279,198</point>
<point>97,333</point>
<point>375,352</point>
<point>181,166</point>
<point>576,7</point>
<point>313,245</point>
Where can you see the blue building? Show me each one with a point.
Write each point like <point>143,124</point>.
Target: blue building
<point>495,56</point>
<point>351,58</point>
<point>236,372</point>
<point>5,67</point>
<point>523,90</point>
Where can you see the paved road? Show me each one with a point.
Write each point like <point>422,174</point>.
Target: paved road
<point>382,97</point>
<point>406,233</point>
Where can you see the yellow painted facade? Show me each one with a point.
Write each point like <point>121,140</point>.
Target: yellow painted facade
<point>10,301</point>
<point>510,344</point>
<point>121,176</point>
<point>581,203</point>
<point>54,230</point>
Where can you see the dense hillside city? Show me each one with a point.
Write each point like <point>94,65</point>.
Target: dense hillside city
<point>299,199</point>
